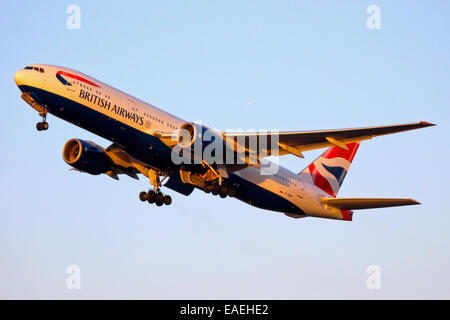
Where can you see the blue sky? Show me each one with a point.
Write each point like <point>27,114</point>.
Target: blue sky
<point>287,65</point>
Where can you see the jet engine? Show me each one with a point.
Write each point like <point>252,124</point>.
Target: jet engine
<point>200,143</point>
<point>188,133</point>
<point>86,156</point>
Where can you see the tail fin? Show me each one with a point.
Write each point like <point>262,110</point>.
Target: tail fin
<point>328,171</point>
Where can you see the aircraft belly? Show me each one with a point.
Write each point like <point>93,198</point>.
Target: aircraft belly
<point>260,197</point>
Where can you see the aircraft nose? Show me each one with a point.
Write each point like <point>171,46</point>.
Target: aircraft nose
<point>19,77</point>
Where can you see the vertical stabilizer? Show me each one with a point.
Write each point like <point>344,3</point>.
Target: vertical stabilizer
<point>328,171</point>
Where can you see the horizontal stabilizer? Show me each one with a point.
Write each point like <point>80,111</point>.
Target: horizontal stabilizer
<point>366,203</point>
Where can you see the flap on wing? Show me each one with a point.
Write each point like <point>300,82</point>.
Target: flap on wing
<point>367,203</point>
<point>168,138</point>
<point>297,142</point>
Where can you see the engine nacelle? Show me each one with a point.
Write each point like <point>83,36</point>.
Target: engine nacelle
<point>202,142</point>
<point>188,133</point>
<point>86,156</point>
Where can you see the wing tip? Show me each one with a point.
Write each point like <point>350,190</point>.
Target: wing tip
<point>427,124</point>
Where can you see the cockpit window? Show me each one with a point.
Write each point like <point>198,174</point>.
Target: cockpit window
<point>41,70</point>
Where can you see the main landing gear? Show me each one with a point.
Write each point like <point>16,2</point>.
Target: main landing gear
<point>223,190</point>
<point>43,125</point>
<point>155,196</point>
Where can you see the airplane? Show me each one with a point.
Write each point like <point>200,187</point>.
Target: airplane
<point>149,141</point>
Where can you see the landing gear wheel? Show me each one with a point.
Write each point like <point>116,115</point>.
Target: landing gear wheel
<point>41,126</point>
<point>151,196</point>
<point>159,200</point>
<point>207,188</point>
<point>215,189</point>
<point>223,191</point>
<point>231,192</point>
<point>143,196</point>
<point>167,200</point>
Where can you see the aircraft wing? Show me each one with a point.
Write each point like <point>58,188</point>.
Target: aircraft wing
<point>366,203</point>
<point>298,141</point>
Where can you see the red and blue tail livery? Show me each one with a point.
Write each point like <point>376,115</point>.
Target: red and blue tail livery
<point>329,170</point>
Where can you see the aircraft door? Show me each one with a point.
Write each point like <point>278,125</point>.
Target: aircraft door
<point>300,190</point>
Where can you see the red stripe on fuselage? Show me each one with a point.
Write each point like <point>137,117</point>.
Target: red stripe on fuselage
<point>74,76</point>
<point>320,181</point>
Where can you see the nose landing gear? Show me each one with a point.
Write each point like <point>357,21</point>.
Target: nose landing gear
<point>43,125</point>
<point>36,103</point>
